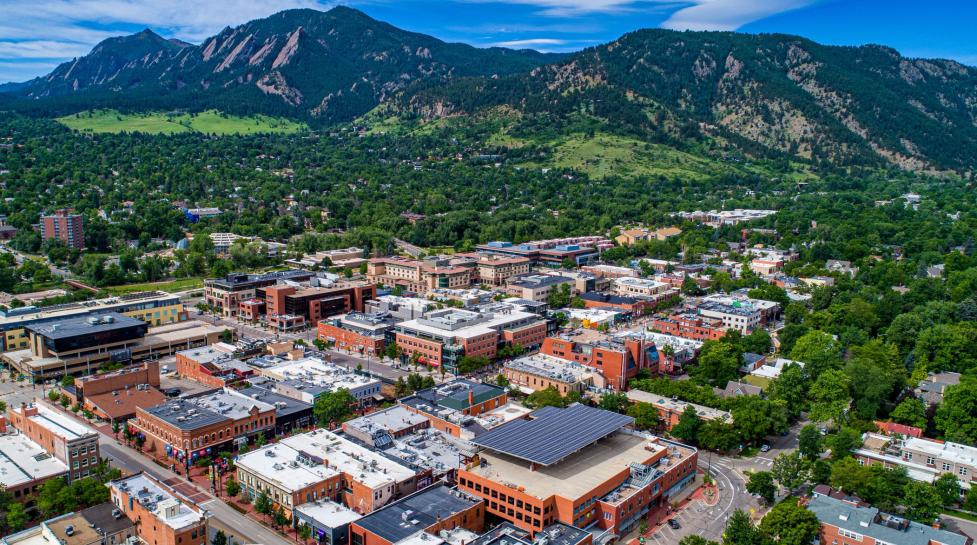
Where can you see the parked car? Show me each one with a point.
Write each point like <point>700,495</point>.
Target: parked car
<point>673,524</point>
<point>765,448</point>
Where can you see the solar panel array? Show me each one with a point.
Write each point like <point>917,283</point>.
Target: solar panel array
<point>553,433</point>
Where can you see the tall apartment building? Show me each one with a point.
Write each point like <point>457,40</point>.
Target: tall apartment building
<point>69,441</point>
<point>65,226</point>
<point>494,270</point>
<point>421,275</point>
<point>289,307</point>
<point>443,337</point>
<point>165,516</point>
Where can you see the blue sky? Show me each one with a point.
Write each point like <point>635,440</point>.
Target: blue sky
<point>36,35</point>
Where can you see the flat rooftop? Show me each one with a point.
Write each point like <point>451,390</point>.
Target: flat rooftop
<point>553,433</point>
<point>185,415</point>
<point>229,403</point>
<point>869,521</point>
<point>417,512</point>
<point>393,420</point>
<point>59,424</point>
<point>23,460</point>
<point>169,507</point>
<point>576,475</point>
<point>319,373</point>
<point>328,513</point>
<point>286,467</point>
<point>551,367</point>
<point>432,449</point>
<point>85,325</point>
<point>677,406</point>
<point>367,466</point>
<point>13,317</point>
<point>453,395</point>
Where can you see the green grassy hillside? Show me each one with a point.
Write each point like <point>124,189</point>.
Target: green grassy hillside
<point>208,122</point>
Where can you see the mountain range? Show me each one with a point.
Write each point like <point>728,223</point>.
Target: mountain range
<point>767,95</point>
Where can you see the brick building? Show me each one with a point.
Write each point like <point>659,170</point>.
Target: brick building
<point>164,516</point>
<point>66,226</point>
<point>495,270</point>
<point>850,522</point>
<point>670,410</point>
<point>25,465</point>
<point>289,477</point>
<point>188,428</point>
<point>429,511</point>
<point>617,360</point>
<point>449,407</point>
<point>226,294</point>
<point>66,439</point>
<point>443,337</point>
<point>369,480</point>
<point>211,366</point>
<point>288,307</point>
<point>115,395</point>
<point>579,466</point>
<point>690,326</point>
<point>422,275</point>
<point>359,332</point>
<point>539,372</point>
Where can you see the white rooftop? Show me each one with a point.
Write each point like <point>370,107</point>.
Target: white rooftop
<point>59,424</point>
<point>338,453</point>
<point>774,368</point>
<point>328,513</point>
<point>592,315</point>
<point>284,466</point>
<point>318,372</point>
<point>452,323</point>
<point>393,420</point>
<point>677,406</point>
<point>955,452</point>
<point>645,283</point>
<point>23,460</point>
<point>420,538</point>
<point>229,403</point>
<point>170,509</point>
<point>551,367</point>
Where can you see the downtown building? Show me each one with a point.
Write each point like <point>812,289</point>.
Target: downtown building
<point>443,337</point>
<point>71,442</point>
<point>579,466</point>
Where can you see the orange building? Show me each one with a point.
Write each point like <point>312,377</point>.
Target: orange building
<point>429,511</point>
<point>576,465</point>
<point>690,326</point>
<point>618,361</point>
<point>356,331</point>
<point>211,366</point>
<point>162,515</point>
<point>288,307</point>
<point>288,476</point>
<point>63,437</point>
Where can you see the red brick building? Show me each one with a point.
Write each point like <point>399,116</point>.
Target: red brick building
<point>430,511</point>
<point>358,332</point>
<point>617,360</point>
<point>66,226</point>
<point>690,326</point>
<point>66,439</point>
<point>163,515</point>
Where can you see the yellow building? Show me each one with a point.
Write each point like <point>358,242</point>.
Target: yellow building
<point>153,307</point>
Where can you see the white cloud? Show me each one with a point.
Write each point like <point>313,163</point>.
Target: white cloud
<point>530,42</point>
<point>729,14</point>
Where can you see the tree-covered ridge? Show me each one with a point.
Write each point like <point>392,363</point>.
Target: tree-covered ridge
<point>762,94</point>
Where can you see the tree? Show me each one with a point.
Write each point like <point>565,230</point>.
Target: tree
<point>741,531</point>
<point>843,442</point>
<point>719,363</point>
<point>16,516</point>
<point>559,297</point>
<point>645,416</point>
<point>232,487</point>
<point>548,397</point>
<point>471,364</point>
<point>695,539</point>
<point>304,532</point>
<point>829,396</point>
<point>615,401</point>
<point>790,387</point>
<point>922,501</point>
<point>67,381</point>
<point>762,484</point>
<point>280,519</point>
<point>220,538</point>
<point>791,470</point>
<point>262,504</point>
<point>687,428</point>
<point>948,488</point>
<point>809,442</point>
<point>910,411</point>
<point>790,523</point>
<point>717,435</point>
<point>956,417</point>
<point>334,407</point>
<point>227,336</point>
<point>970,501</point>
<point>818,351</point>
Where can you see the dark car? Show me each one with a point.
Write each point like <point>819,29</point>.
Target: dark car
<point>172,392</point>
<point>673,524</point>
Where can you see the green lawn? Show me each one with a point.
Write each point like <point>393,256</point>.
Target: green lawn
<point>208,122</point>
<point>181,284</point>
